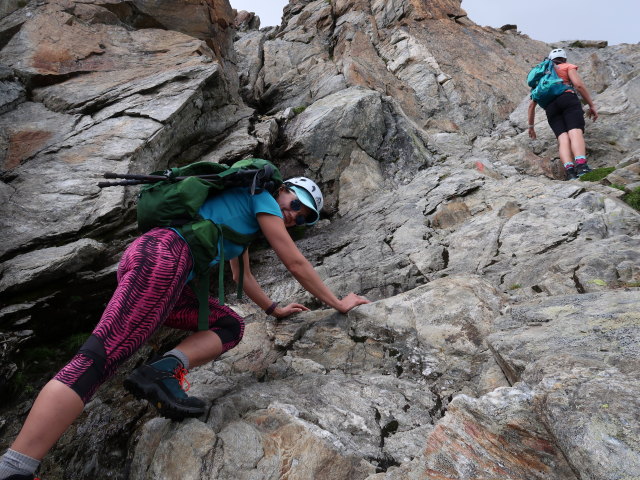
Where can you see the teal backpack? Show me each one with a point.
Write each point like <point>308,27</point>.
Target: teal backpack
<point>545,83</point>
<point>172,198</point>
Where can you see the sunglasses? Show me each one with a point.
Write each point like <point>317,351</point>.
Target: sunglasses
<point>296,206</point>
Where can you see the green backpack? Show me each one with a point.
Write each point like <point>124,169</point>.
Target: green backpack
<point>172,198</point>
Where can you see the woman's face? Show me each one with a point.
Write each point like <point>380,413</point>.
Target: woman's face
<point>292,208</point>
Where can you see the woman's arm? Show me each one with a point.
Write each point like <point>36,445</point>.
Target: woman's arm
<point>577,82</point>
<point>282,243</point>
<point>531,117</point>
<point>253,290</point>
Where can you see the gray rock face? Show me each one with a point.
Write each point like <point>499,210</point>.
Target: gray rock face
<point>48,265</point>
<point>398,49</point>
<point>596,327</point>
<point>581,352</point>
<point>503,337</point>
<point>592,414</point>
<point>88,124</point>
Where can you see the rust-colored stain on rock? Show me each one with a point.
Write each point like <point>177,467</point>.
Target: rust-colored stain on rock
<point>509,454</point>
<point>22,145</point>
<point>51,59</point>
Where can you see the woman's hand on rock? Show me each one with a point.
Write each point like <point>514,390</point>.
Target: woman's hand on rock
<point>350,301</point>
<point>282,312</point>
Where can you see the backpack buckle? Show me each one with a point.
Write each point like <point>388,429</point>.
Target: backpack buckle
<point>170,173</point>
<point>260,179</point>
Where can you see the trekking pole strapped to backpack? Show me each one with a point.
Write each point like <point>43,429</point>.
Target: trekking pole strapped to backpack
<point>257,179</point>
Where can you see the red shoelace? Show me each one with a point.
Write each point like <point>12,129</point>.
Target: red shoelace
<point>180,373</point>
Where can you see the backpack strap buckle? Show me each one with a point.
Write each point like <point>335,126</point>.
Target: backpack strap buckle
<point>171,173</point>
<point>261,178</point>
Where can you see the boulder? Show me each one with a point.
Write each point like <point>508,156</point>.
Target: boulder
<point>48,265</point>
<point>591,414</point>
<point>594,326</point>
<point>494,436</point>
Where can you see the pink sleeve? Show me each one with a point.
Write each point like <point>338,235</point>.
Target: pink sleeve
<point>563,71</point>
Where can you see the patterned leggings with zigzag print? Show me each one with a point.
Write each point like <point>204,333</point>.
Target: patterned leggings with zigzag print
<point>151,292</point>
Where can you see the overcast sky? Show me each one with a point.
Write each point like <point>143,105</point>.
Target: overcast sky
<point>548,20</point>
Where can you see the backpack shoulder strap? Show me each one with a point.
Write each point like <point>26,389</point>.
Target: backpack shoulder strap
<point>201,282</point>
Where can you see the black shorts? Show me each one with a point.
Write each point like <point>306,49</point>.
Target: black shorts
<point>565,113</point>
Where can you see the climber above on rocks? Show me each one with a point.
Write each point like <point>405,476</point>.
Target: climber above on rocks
<point>565,116</point>
<point>151,292</point>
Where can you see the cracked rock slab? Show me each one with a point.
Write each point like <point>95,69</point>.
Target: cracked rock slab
<point>593,415</point>
<point>439,329</point>
<point>48,264</point>
<point>373,417</point>
<point>596,326</point>
<point>160,439</point>
<point>495,436</point>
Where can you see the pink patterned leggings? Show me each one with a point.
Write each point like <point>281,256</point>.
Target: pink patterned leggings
<point>151,292</point>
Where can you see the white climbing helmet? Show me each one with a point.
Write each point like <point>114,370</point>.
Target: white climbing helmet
<point>308,193</point>
<point>557,53</point>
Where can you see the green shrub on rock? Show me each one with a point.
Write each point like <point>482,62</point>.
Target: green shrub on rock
<point>597,174</point>
<point>633,198</point>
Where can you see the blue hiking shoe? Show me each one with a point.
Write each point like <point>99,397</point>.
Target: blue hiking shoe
<point>570,173</point>
<point>161,384</point>
<point>582,168</point>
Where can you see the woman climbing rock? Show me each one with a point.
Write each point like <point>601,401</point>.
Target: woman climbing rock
<point>152,291</point>
<point>566,118</point>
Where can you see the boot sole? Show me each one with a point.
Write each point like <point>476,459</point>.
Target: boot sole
<point>143,389</point>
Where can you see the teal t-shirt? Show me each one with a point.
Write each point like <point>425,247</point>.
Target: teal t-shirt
<point>237,208</point>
